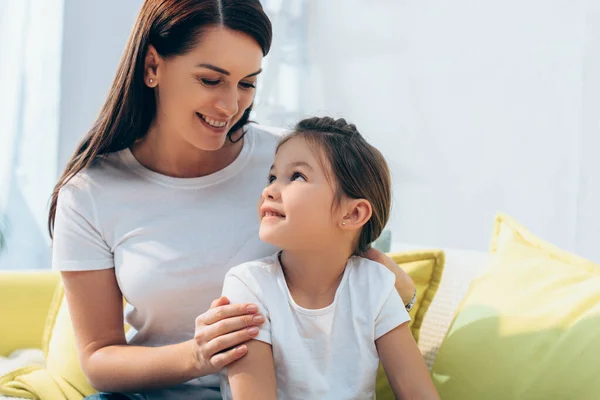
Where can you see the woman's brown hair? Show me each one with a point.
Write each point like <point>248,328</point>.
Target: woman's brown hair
<point>358,170</point>
<point>173,27</point>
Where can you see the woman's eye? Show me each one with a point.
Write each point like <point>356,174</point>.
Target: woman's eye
<point>247,85</point>
<point>271,178</point>
<point>208,82</point>
<point>298,176</point>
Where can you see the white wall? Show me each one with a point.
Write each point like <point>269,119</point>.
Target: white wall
<point>479,106</point>
<point>52,102</point>
<point>95,34</point>
<point>588,201</point>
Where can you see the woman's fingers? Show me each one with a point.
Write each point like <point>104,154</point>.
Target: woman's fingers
<point>223,359</point>
<point>221,331</point>
<point>221,301</point>
<point>232,324</point>
<point>231,340</point>
<point>219,313</point>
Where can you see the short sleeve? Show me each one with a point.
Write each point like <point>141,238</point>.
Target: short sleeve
<point>237,291</point>
<point>78,244</point>
<point>393,314</point>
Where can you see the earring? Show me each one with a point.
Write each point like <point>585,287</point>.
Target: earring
<point>151,80</point>
<point>343,223</point>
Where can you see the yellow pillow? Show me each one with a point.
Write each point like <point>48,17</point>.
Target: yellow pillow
<point>62,378</point>
<point>527,329</point>
<point>25,297</point>
<point>425,267</point>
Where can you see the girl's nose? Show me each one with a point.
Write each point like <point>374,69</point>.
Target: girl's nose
<point>271,192</point>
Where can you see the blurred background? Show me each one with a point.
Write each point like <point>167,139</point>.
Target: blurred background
<point>479,106</point>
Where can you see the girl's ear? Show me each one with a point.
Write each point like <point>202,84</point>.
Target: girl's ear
<point>357,213</point>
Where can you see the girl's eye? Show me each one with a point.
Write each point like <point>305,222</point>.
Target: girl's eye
<point>248,86</point>
<point>208,82</point>
<point>271,178</point>
<point>298,176</point>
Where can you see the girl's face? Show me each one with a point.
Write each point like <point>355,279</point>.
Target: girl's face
<point>202,94</point>
<point>295,208</point>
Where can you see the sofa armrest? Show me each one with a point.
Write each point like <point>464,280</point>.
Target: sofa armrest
<point>25,299</point>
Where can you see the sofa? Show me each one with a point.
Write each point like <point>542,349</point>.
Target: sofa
<point>520,321</point>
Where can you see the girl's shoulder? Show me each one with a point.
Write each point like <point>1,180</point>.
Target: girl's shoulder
<point>370,272</point>
<point>256,272</point>
<point>372,281</point>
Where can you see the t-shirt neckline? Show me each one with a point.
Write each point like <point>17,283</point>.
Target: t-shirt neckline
<point>311,311</point>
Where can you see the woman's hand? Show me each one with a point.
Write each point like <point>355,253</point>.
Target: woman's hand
<point>404,284</point>
<point>221,333</point>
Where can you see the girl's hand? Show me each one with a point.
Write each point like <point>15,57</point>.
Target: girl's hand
<point>221,333</point>
<point>404,284</point>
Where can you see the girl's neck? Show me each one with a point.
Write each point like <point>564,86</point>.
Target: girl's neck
<point>170,155</point>
<point>313,277</point>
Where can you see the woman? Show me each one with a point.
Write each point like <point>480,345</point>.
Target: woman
<point>159,200</point>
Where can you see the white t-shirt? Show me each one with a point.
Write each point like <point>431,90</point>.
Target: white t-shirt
<point>328,353</point>
<point>170,240</point>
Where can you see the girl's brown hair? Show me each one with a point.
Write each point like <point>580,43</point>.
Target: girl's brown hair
<point>359,170</point>
<point>173,27</point>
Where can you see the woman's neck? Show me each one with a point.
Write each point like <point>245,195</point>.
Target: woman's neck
<point>172,156</point>
<point>314,276</point>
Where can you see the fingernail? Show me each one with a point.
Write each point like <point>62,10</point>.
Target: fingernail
<point>241,350</point>
<point>259,319</point>
<point>253,331</point>
<point>252,308</point>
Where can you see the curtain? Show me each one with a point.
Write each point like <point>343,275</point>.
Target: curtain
<point>30,44</point>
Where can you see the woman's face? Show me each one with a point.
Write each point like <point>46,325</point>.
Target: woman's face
<point>201,95</point>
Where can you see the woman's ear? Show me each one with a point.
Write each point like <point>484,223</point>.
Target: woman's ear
<point>357,213</point>
<point>151,63</point>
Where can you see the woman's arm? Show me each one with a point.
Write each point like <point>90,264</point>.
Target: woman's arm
<point>96,308</point>
<point>404,365</point>
<point>404,284</point>
<point>253,377</point>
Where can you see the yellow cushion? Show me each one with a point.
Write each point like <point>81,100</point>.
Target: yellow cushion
<point>62,378</point>
<point>425,267</point>
<point>527,329</point>
<point>62,358</point>
<point>25,298</point>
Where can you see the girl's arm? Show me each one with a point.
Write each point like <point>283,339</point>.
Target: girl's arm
<point>404,284</point>
<point>253,377</point>
<point>404,365</point>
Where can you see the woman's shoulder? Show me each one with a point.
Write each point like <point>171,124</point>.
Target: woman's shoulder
<point>104,174</point>
<point>103,167</point>
<point>266,136</point>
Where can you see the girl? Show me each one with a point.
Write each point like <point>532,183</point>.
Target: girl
<point>159,200</point>
<point>331,314</point>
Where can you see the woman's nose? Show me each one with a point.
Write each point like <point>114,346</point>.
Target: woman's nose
<point>228,101</point>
